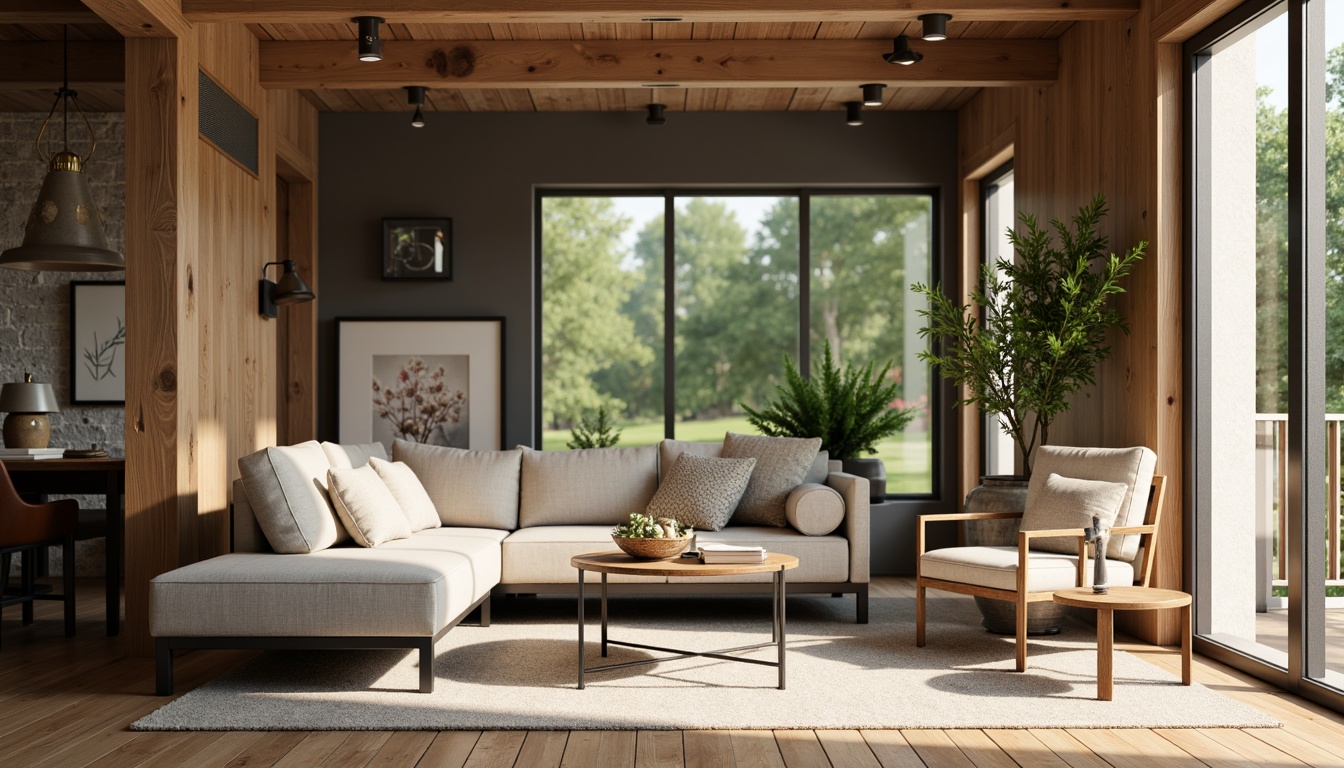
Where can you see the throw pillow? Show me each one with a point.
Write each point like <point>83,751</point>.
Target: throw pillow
<point>366,506</point>
<point>409,493</point>
<point>701,492</point>
<point>820,469</point>
<point>351,455</point>
<point>470,489</point>
<point>814,510</point>
<point>287,489</point>
<point>1067,502</point>
<point>669,450</point>
<point>781,465</point>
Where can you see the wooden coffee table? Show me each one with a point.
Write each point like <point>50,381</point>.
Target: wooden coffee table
<point>618,562</point>
<point>1127,599</point>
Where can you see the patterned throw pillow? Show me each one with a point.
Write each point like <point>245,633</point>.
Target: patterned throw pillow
<point>781,465</point>
<point>701,492</point>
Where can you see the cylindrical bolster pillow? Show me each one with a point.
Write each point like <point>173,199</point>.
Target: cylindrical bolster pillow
<point>814,510</point>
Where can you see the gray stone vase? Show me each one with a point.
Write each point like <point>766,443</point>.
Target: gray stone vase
<point>874,470</point>
<point>1006,493</point>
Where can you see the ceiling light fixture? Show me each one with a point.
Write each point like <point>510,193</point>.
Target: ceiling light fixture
<point>935,26</point>
<point>901,52</point>
<point>64,232</point>
<point>415,96</point>
<point>656,114</point>
<point>289,290</point>
<point>872,94</point>
<point>853,113</point>
<point>370,45</point>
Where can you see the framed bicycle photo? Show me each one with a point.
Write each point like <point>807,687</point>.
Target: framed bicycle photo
<point>417,249</point>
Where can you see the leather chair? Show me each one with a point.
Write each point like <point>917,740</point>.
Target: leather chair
<point>26,529</point>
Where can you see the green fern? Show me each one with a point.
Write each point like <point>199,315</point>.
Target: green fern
<point>595,432</point>
<point>848,408</point>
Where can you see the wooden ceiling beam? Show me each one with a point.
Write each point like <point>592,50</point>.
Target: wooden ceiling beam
<point>142,18</point>
<point>665,63</point>
<point>46,12</point>
<point>37,65</point>
<point>566,11</point>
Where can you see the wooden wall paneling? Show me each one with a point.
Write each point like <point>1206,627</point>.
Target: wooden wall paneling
<point>162,341</point>
<point>1111,124</point>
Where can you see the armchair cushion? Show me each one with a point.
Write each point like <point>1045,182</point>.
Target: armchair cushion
<point>996,568</point>
<point>1067,502</point>
<point>1131,466</point>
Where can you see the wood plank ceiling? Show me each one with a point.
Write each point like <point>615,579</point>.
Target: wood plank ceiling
<point>102,98</point>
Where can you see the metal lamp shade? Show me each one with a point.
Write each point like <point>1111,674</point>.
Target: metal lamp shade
<point>290,288</point>
<point>28,397</point>
<point>64,230</point>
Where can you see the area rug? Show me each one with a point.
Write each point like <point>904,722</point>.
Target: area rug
<point>520,673</point>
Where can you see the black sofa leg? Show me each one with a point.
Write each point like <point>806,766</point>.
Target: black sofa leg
<point>427,665</point>
<point>485,610</point>
<point>861,603</point>
<point>163,667</point>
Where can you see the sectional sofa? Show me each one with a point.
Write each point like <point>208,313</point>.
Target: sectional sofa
<point>510,522</point>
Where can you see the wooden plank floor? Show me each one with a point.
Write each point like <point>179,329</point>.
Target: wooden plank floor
<point>66,703</point>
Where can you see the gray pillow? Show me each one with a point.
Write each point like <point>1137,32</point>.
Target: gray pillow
<point>1067,502</point>
<point>701,492</point>
<point>781,465</point>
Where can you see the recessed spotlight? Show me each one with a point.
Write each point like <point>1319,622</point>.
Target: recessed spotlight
<point>901,53</point>
<point>657,114</point>
<point>370,45</point>
<point>853,113</point>
<point>935,26</point>
<point>872,94</point>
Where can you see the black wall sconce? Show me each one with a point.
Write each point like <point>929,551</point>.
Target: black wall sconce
<point>370,45</point>
<point>289,290</point>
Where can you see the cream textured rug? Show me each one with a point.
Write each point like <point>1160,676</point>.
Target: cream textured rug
<point>519,673</point>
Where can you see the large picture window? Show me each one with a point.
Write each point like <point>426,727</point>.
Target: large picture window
<point>673,309</point>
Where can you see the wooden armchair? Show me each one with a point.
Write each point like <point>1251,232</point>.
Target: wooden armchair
<point>24,528</point>
<point>1006,573</point>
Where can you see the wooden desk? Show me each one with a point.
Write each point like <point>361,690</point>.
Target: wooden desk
<point>106,477</point>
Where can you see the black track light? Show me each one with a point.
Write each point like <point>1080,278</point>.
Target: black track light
<point>935,26</point>
<point>853,113</point>
<point>872,94</point>
<point>901,52</point>
<point>370,45</point>
<point>656,114</point>
<point>415,96</point>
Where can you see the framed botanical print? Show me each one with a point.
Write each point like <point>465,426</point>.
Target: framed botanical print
<point>417,249</point>
<point>98,342</point>
<point>433,381</point>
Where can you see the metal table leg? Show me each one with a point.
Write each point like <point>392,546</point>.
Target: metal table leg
<point>779,613</point>
<point>604,614</point>
<point>580,629</point>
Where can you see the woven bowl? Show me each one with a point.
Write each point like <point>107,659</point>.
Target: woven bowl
<point>652,549</point>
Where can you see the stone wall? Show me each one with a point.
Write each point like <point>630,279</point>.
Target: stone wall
<point>35,306</point>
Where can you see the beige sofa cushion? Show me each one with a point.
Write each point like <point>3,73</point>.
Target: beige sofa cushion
<point>781,465</point>
<point>701,492</point>
<point>814,510</point>
<point>593,486</point>
<point>820,558</point>
<point>409,492</point>
<point>1131,466</point>
<point>287,487</point>
<point>352,455</point>
<point>669,450</point>
<point>475,489</point>
<point>996,567</point>
<point>366,507</point>
<point>1067,502</point>
<point>540,555</point>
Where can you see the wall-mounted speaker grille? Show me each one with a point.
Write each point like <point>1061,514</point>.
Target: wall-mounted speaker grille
<point>227,124</point>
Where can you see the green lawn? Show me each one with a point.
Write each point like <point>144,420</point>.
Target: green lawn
<point>907,457</point>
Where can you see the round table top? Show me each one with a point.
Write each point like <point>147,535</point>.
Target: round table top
<point>619,562</point>
<point>1123,598</point>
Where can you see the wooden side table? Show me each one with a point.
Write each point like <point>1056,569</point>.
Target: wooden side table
<point>1127,599</point>
<point>618,562</point>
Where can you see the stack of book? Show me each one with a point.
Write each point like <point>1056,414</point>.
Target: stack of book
<point>30,454</point>
<point>719,554</point>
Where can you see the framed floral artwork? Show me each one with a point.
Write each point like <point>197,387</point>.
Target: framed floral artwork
<point>98,342</point>
<point>436,381</point>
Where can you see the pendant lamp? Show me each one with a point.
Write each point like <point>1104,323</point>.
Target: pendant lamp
<point>64,232</point>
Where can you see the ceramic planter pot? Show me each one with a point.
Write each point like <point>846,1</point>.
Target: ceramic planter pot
<point>874,470</point>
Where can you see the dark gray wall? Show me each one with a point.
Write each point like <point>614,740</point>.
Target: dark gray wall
<point>482,169</point>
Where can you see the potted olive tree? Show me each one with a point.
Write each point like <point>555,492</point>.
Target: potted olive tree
<point>1034,333</point>
<point>849,408</point>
